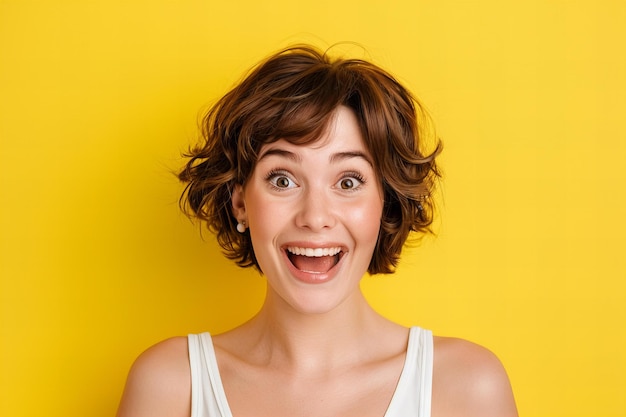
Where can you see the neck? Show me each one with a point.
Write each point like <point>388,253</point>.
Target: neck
<point>285,337</point>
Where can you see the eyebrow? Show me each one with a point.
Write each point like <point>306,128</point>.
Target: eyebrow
<point>280,152</point>
<point>340,156</point>
<point>336,157</point>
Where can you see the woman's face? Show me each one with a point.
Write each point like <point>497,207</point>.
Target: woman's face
<point>314,213</point>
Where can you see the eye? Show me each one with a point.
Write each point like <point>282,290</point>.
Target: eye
<point>351,182</point>
<point>346,184</point>
<point>280,180</point>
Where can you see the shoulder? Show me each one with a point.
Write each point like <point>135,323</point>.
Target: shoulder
<point>159,382</point>
<point>469,380</point>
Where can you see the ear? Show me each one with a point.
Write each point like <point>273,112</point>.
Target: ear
<point>238,201</point>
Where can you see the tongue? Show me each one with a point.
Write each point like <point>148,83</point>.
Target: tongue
<point>313,264</point>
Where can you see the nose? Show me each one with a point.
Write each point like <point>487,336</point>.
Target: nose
<point>315,210</point>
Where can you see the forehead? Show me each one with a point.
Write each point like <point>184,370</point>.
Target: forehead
<point>341,135</point>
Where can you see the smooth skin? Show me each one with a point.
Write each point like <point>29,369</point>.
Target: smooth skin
<point>316,348</point>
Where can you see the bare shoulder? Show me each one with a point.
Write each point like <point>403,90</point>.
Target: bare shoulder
<point>469,380</point>
<point>159,382</point>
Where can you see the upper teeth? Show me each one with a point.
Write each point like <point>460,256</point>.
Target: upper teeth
<point>317,252</point>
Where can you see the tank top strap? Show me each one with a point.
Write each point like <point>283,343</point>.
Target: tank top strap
<point>413,394</point>
<point>208,398</point>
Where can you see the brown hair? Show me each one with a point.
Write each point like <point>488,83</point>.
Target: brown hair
<point>292,95</point>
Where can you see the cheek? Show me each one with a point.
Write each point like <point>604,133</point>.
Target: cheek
<point>365,220</point>
<point>266,220</point>
<point>265,213</point>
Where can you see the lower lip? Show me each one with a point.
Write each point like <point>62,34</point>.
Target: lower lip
<point>312,277</point>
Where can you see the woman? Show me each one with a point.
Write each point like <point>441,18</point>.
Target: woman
<point>311,170</point>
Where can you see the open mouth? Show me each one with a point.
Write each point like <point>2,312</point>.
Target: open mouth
<point>315,261</point>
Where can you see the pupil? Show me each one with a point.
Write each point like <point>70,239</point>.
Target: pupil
<point>346,184</point>
<point>283,182</point>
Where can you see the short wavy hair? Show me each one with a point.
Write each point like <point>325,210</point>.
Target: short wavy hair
<point>292,95</point>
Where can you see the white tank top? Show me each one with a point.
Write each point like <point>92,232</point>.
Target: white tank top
<point>411,397</point>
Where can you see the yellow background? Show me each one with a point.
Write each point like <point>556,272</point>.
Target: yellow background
<point>98,98</point>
